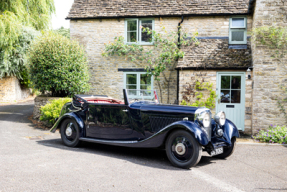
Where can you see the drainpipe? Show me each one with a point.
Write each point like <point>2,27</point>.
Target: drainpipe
<point>178,45</point>
<point>179,27</point>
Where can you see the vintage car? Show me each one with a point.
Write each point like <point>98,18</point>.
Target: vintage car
<point>141,121</point>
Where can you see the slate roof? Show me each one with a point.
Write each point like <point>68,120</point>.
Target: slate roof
<point>144,8</point>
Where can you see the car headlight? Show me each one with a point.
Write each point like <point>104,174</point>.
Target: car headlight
<point>203,116</point>
<point>220,118</point>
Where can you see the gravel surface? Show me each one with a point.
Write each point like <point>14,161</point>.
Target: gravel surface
<point>35,160</point>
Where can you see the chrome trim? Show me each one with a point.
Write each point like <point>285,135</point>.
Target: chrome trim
<point>218,119</point>
<point>199,115</point>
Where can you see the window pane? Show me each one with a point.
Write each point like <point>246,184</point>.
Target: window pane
<point>225,96</point>
<point>144,36</point>
<point>225,82</point>
<point>131,79</point>
<point>237,36</point>
<point>237,22</point>
<point>132,37</point>
<point>145,79</point>
<point>132,92</point>
<point>132,25</point>
<point>235,96</point>
<point>236,82</point>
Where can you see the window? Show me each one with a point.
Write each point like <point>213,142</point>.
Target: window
<point>137,80</point>
<point>134,32</point>
<point>237,30</point>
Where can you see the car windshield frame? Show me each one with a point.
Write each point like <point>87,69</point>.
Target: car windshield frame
<point>141,95</point>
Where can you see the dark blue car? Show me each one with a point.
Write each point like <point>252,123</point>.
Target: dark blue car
<point>141,121</point>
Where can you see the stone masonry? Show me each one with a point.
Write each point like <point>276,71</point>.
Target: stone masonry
<point>268,72</point>
<point>10,89</point>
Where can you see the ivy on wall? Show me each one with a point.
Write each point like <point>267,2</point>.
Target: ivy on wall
<point>275,38</point>
<point>196,90</point>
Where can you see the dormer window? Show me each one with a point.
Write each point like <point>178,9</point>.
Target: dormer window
<point>237,30</point>
<point>134,31</point>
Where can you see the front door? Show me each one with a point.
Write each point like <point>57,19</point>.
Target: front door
<point>231,96</point>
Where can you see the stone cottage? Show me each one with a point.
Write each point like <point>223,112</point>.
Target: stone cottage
<point>224,56</point>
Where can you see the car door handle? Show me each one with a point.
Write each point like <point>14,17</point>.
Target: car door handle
<point>125,110</point>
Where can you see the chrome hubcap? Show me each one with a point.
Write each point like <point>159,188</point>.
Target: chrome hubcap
<point>69,130</point>
<point>180,149</point>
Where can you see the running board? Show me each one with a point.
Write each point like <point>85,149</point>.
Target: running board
<point>107,141</point>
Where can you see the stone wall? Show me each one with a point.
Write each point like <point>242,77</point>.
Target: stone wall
<point>105,77</point>
<point>10,90</point>
<point>268,72</point>
<point>188,78</point>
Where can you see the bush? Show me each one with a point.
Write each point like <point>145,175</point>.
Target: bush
<point>52,110</point>
<point>58,65</point>
<point>275,134</point>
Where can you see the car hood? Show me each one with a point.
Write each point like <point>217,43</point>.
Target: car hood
<point>163,108</point>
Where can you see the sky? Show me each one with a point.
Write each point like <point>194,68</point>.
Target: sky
<point>62,9</point>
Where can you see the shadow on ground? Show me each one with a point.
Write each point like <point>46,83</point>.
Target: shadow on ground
<point>146,157</point>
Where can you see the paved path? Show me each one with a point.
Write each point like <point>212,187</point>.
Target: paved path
<point>35,160</point>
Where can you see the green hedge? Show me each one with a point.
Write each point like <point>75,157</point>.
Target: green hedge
<point>52,110</point>
<point>58,65</point>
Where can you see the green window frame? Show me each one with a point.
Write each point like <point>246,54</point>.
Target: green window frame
<point>138,82</point>
<point>133,31</point>
<point>237,30</point>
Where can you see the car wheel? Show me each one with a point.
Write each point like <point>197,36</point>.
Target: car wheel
<point>227,151</point>
<point>182,149</point>
<point>70,133</point>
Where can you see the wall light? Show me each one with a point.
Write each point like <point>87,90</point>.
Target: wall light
<point>249,73</point>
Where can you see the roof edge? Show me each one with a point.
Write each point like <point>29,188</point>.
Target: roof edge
<point>148,16</point>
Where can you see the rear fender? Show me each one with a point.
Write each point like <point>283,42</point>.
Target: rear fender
<point>71,115</point>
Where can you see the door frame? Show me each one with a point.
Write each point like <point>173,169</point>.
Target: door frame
<point>243,89</point>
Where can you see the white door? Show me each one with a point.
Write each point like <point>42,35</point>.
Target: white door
<point>230,90</point>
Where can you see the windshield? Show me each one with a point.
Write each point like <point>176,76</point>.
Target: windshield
<point>135,95</point>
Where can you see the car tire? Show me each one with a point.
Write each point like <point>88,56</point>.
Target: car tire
<point>182,149</point>
<point>70,133</point>
<point>227,151</point>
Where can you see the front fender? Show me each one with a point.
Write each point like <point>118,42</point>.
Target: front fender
<point>71,115</point>
<point>230,131</point>
<point>158,138</point>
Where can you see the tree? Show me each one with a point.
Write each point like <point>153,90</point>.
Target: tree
<point>163,55</point>
<point>14,15</point>
<point>17,58</point>
<point>58,65</point>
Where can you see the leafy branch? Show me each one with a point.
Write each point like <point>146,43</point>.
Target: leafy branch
<point>163,55</point>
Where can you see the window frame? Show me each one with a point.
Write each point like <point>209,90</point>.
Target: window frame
<point>234,29</point>
<point>139,33</point>
<point>137,83</point>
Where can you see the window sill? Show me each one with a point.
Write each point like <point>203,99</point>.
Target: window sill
<point>237,46</point>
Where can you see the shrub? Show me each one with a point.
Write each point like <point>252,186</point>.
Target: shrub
<point>52,110</point>
<point>58,65</point>
<point>275,134</point>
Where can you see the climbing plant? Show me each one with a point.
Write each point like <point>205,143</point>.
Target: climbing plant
<point>158,58</point>
<point>199,99</point>
<point>275,38</point>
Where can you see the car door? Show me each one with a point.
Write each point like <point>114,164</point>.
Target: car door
<point>231,93</point>
<point>108,121</point>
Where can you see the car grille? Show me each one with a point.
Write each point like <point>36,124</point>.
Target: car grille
<point>158,123</point>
